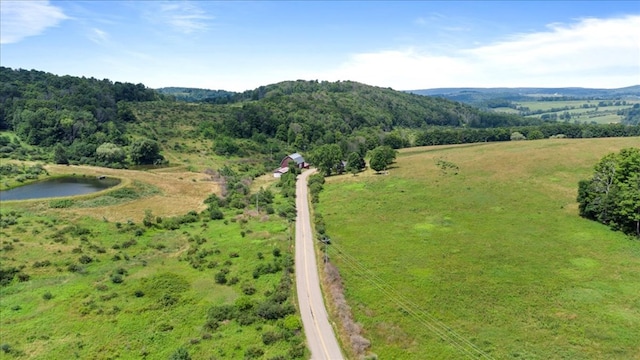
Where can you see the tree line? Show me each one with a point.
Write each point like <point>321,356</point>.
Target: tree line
<point>98,122</point>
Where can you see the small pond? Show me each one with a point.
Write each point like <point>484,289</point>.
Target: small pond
<point>58,187</point>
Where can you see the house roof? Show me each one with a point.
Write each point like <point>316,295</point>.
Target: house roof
<point>281,170</point>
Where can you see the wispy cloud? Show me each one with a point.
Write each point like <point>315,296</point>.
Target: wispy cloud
<point>98,36</point>
<point>590,52</point>
<point>184,16</point>
<point>21,19</point>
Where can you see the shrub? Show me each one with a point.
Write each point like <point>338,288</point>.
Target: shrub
<point>61,204</point>
<point>221,313</point>
<point>272,310</point>
<point>292,322</point>
<point>253,352</point>
<point>75,268</point>
<point>516,136</point>
<point>246,318</point>
<point>271,337</point>
<point>221,278</point>
<point>168,300</point>
<point>85,259</point>
<point>180,354</point>
<point>47,295</point>
<point>296,351</point>
<point>117,278</point>
<point>248,289</point>
<point>216,214</point>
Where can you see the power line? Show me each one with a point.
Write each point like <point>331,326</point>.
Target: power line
<point>446,333</point>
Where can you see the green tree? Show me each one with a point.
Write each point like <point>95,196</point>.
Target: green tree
<point>145,151</point>
<point>535,135</point>
<point>326,157</point>
<point>355,163</point>
<point>516,136</point>
<point>110,153</point>
<point>60,154</point>
<point>378,161</point>
<point>381,157</point>
<point>225,146</point>
<point>612,195</point>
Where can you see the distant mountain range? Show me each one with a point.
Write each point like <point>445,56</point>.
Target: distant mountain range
<point>479,95</point>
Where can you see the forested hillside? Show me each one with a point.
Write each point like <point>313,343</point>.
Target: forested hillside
<point>198,95</point>
<point>75,114</point>
<point>89,121</point>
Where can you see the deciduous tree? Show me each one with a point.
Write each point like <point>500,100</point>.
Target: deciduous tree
<point>326,158</point>
<point>612,195</point>
<point>145,151</point>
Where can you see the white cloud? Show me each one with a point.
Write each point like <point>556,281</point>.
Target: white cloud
<point>98,36</point>
<point>21,19</point>
<point>184,16</point>
<point>588,53</point>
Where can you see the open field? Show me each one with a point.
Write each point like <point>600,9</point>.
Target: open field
<point>585,111</point>
<point>493,262</point>
<point>177,192</point>
<point>92,280</point>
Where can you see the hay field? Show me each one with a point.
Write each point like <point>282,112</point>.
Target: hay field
<point>493,262</point>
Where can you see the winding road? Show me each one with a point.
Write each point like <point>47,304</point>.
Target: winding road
<point>321,339</point>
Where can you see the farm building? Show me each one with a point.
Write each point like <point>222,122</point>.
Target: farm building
<point>297,158</point>
<point>279,171</point>
<point>284,164</point>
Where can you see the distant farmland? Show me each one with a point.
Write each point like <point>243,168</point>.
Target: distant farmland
<point>491,262</point>
<point>584,111</point>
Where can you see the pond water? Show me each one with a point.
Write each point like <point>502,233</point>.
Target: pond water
<point>65,186</point>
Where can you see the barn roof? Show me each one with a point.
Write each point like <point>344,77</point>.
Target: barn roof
<point>297,158</point>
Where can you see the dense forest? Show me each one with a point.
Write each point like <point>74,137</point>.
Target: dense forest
<point>75,116</point>
<point>88,121</point>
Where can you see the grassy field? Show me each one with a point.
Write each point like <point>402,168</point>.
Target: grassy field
<point>492,262</point>
<point>589,114</point>
<point>91,281</point>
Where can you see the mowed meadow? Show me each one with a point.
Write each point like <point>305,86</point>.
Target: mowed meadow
<point>478,251</point>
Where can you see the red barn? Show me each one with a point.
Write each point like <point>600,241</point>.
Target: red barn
<point>284,164</point>
<point>297,158</point>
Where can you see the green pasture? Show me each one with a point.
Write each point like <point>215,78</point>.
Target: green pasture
<point>492,262</point>
<point>592,113</point>
<point>105,290</point>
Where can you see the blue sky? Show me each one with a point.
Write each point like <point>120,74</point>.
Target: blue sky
<point>240,45</point>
